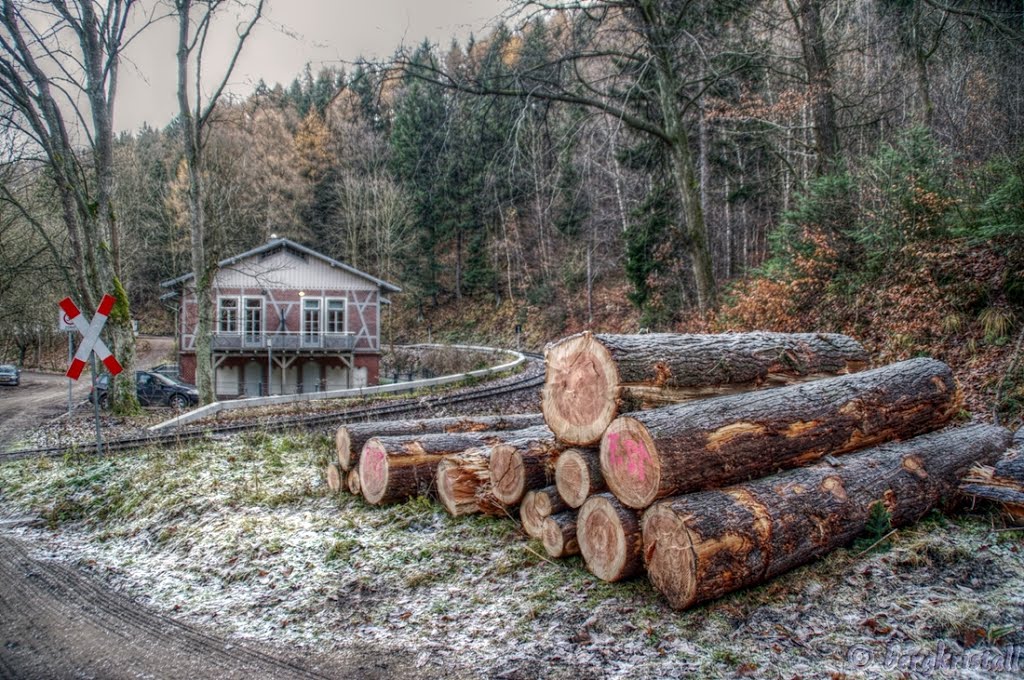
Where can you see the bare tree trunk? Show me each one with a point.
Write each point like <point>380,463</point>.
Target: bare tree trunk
<point>807,18</point>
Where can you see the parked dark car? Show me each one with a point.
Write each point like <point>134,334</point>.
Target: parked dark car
<point>169,370</point>
<point>10,375</point>
<point>153,389</point>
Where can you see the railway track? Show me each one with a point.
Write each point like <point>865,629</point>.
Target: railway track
<point>308,421</point>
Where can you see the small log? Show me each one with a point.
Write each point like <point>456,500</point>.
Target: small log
<point>559,535</point>
<point>393,469</point>
<point>350,439</point>
<point>1002,483</point>
<point>701,546</point>
<point>591,378</point>
<point>464,484</point>
<point>707,445</point>
<point>335,478</point>
<point>353,482</point>
<point>524,462</point>
<point>610,538</point>
<point>578,475</point>
<point>537,506</point>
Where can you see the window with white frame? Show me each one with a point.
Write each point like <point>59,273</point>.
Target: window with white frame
<point>227,315</point>
<point>252,319</point>
<point>336,315</point>
<point>311,317</point>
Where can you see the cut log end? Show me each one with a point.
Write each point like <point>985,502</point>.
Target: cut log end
<point>335,477</point>
<point>508,476</point>
<point>575,478</point>
<point>353,482</point>
<point>630,463</point>
<point>462,483</point>
<point>532,520</point>
<point>609,538</point>
<point>343,445</point>
<point>669,555</point>
<point>373,471</point>
<point>558,534</point>
<point>580,389</point>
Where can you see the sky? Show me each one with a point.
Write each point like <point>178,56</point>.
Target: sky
<point>292,33</point>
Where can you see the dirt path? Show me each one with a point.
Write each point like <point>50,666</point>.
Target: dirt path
<point>57,623</point>
<point>43,396</point>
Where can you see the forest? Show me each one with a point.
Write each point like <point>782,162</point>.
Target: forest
<point>792,165</point>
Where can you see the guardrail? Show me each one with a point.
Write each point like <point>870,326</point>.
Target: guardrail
<point>256,402</point>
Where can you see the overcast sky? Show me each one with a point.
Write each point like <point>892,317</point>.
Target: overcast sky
<point>293,32</point>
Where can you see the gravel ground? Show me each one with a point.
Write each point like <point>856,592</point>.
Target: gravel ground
<point>242,536</point>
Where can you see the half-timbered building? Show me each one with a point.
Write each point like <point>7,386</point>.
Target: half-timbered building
<point>288,320</point>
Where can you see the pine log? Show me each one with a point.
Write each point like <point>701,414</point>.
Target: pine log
<point>559,535</point>
<point>464,484</point>
<point>1002,483</point>
<point>335,478</point>
<point>353,482</point>
<point>578,475</point>
<point>591,378</point>
<point>610,538</point>
<point>701,546</point>
<point>524,462</point>
<point>393,469</point>
<point>537,506</point>
<point>706,445</point>
<point>350,439</point>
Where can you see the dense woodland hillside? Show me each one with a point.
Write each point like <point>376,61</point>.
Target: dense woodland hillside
<point>847,165</point>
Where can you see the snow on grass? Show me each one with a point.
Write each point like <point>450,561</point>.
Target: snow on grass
<point>243,535</point>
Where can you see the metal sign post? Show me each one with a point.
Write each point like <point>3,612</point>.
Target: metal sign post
<point>64,325</point>
<point>91,346</point>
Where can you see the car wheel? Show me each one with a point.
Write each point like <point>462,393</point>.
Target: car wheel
<point>178,401</point>
<point>105,401</point>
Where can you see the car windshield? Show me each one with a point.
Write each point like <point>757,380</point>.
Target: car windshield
<point>158,377</point>
<point>8,369</point>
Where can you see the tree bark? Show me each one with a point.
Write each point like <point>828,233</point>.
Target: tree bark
<point>807,18</point>
<point>523,462</point>
<point>350,439</point>
<point>610,538</point>
<point>578,476</point>
<point>537,506</point>
<point>337,480</point>
<point>704,545</point>
<point>683,448</point>
<point>392,469</point>
<point>559,535</point>
<point>464,484</point>
<point>592,378</point>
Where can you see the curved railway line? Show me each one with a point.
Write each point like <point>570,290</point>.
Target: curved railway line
<point>276,423</point>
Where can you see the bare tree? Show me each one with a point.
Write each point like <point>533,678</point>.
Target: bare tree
<point>195,20</point>
<point>58,79</point>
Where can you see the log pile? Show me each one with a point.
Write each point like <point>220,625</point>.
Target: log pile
<point>666,454</point>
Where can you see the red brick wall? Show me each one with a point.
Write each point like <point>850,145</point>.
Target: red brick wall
<point>187,367</point>
<point>372,364</point>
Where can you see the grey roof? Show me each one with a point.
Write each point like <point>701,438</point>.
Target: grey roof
<point>288,243</point>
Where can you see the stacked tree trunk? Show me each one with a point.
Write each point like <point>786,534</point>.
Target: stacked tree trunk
<point>395,468</point>
<point>592,378</point>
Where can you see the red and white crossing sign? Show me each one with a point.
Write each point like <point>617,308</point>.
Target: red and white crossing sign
<point>91,341</point>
